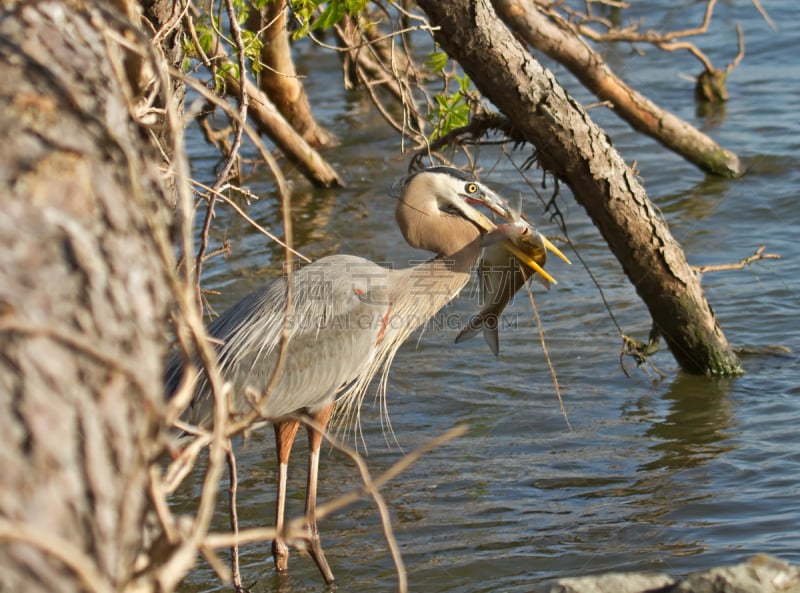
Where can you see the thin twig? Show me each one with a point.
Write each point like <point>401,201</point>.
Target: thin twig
<point>740,54</point>
<point>236,574</point>
<point>252,222</point>
<point>757,256</point>
<point>764,15</point>
<point>543,342</point>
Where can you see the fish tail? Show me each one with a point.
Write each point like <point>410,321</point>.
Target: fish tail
<point>474,325</point>
<point>487,323</point>
<point>492,337</point>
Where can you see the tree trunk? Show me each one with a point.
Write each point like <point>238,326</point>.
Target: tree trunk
<point>575,150</point>
<point>83,298</point>
<point>559,41</point>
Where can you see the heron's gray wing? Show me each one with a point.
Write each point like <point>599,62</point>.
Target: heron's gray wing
<point>339,306</point>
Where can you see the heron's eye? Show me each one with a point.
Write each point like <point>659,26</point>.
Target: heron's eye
<point>471,188</point>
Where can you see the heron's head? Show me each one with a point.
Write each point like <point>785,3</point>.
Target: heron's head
<point>448,191</point>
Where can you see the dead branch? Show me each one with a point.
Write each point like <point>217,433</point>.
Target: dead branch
<point>631,33</point>
<point>277,76</point>
<point>561,40</point>
<point>741,264</point>
<point>710,86</point>
<point>267,118</point>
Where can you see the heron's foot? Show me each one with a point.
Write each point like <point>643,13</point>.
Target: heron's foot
<point>315,550</point>
<point>280,554</point>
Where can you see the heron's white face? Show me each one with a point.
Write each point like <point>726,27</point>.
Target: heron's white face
<point>458,195</point>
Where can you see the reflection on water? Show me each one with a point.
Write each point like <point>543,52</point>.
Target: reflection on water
<point>699,422</point>
<point>711,114</point>
<point>674,476</point>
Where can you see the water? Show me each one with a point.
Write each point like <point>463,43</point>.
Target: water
<point>672,475</point>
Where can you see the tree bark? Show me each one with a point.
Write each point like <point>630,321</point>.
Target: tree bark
<point>559,41</point>
<point>577,151</point>
<point>83,298</point>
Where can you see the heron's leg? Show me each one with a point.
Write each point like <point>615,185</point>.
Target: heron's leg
<point>285,432</point>
<point>314,442</point>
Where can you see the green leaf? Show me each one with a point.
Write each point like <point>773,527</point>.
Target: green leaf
<point>332,14</point>
<point>451,110</point>
<point>437,61</point>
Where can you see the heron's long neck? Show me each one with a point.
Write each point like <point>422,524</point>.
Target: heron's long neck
<point>419,292</point>
<point>416,294</point>
<point>426,288</point>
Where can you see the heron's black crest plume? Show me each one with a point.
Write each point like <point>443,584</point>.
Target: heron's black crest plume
<point>400,183</point>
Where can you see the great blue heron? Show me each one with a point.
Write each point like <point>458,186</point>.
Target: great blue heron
<point>349,317</point>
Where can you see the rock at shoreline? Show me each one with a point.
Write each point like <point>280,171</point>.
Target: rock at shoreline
<point>760,574</point>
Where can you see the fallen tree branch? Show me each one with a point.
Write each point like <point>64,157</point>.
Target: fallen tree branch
<point>268,120</point>
<point>571,147</point>
<point>559,39</point>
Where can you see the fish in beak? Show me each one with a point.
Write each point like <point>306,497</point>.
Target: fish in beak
<point>513,253</point>
<point>523,240</point>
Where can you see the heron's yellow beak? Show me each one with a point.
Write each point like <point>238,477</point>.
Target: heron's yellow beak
<point>527,260</point>
<point>530,262</point>
<point>550,247</point>
<point>493,202</point>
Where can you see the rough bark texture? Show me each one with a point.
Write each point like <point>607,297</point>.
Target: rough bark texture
<point>561,43</point>
<point>577,151</point>
<point>83,299</point>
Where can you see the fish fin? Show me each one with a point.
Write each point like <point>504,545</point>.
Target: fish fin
<point>492,337</point>
<point>474,325</point>
<point>543,281</point>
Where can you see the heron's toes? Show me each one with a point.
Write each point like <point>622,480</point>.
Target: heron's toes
<point>280,554</point>
<point>316,553</point>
